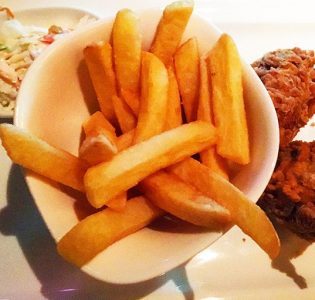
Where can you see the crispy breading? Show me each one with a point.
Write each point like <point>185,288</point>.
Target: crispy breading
<point>290,194</point>
<point>289,77</point>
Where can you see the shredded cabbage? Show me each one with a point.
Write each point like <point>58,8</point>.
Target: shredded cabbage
<point>19,46</point>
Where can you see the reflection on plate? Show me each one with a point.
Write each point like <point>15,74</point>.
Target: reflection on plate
<point>23,38</point>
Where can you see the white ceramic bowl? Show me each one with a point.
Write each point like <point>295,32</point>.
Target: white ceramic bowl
<point>55,98</point>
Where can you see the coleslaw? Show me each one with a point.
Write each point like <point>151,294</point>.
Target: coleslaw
<point>20,45</point>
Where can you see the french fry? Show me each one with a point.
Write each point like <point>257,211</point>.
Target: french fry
<point>204,112</point>
<point>186,62</point>
<point>129,167</point>
<point>174,113</point>
<point>132,100</point>
<point>126,119</point>
<point>96,149</point>
<point>170,30</point>
<point>98,231</point>
<point>100,145</point>
<point>154,96</point>
<point>119,202</point>
<point>171,194</point>
<point>98,123</point>
<point>244,213</point>
<point>127,51</point>
<point>98,58</point>
<point>125,140</point>
<point>209,157</point>
<point>215,162</point>
<point>100,142</point>
<point>35,154</point>
<point>225,71</point>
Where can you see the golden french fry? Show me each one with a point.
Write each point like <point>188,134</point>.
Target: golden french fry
<point>153,104</point>
<point>174,112</point>
<point>126,119</point>
<point>100,142</point>
<point>129,167</point>
<point>209,157</point>
<point>119,202</point>
<point>132,100</point>
<point>100,145</point>
<point>173,195</point>
<point>98,58</point>
<point>127,50</point>
<point>125,140</point>
<point>170,30</point>
<point>186,62</point>
<point>215,162</point>
<point>225,70</point>
<point>98,231</point>
<point>35,154</point>
<point>97,148</point>
<point>98,123</point>
<point>244,213</point>
<point>204,112</point>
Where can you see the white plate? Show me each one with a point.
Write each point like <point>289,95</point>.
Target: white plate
<point>45,17</point>
<point>230,268</point>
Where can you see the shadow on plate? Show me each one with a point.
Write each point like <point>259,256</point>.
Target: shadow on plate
<point>59,279</point>
<point>292,246</point>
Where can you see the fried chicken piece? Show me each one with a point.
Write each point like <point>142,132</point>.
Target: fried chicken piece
<point>290,194</point>
<point>289,77</point>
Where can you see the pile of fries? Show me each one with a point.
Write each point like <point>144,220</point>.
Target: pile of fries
<point>158,108</point>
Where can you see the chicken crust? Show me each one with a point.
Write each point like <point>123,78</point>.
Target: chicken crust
<point>289,77</point>
<point>290,194</point>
